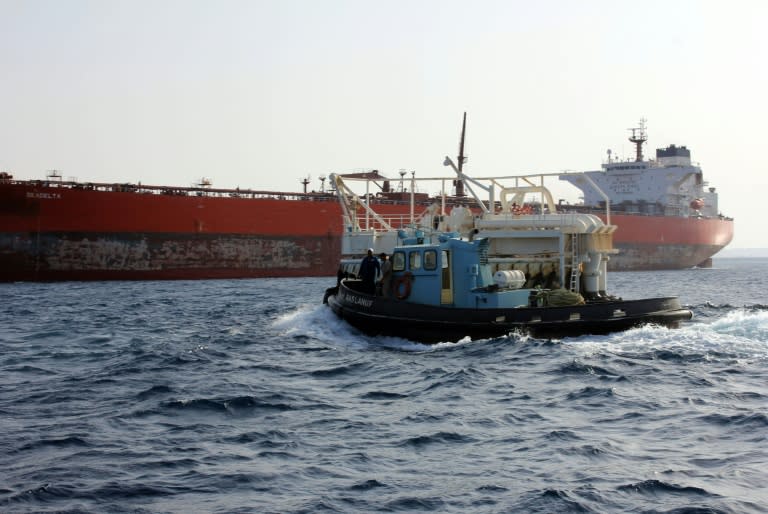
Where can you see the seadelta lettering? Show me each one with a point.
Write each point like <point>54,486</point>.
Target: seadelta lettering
<point>50,196</point>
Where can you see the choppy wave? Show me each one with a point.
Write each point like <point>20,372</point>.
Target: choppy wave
<point>209,397</point>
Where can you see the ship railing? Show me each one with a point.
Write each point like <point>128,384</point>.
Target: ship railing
<point>396,221</point>
<point>176,191</point>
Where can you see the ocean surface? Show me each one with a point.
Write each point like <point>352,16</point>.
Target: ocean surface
<point>249,396</point>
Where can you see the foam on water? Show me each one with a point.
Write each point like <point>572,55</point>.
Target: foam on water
<point>319,322</point>
<point>738,333</point>
<point>746,324</point>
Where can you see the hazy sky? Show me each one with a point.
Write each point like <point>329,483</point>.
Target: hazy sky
<point>260,94</point>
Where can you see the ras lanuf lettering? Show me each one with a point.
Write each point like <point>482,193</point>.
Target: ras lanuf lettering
<point>358,300</point>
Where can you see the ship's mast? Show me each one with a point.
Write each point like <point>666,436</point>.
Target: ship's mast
<point>461,158</point>
<point>639,137</point>
<point>464,180</point>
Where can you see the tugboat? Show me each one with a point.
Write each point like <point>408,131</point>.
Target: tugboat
<point>444,290</point>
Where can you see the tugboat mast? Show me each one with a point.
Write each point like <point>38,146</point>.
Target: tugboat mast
<point>459,183</point>
<point>639,137</point>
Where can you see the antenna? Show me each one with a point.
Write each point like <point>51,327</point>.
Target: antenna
<point>461,158</point>
<point>638,138</point>
<point>305,182</point>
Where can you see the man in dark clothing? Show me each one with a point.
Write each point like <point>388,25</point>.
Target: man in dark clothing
<point>369,268</point>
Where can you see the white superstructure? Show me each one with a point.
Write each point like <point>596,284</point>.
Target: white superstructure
<point>670,185</point>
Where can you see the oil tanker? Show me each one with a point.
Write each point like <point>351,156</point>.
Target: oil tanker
<point>53,229</point>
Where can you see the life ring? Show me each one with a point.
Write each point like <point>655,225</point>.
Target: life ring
<point>405,281</point>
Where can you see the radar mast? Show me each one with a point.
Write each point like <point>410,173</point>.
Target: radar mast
<point>639,137</point>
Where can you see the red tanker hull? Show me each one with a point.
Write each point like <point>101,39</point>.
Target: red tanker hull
<point>65,233</point>
<point>83,232</point>
<point>666,242</point>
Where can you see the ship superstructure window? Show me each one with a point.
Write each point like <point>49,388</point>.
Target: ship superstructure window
<point>414,260</point>
<point>398,261</point>
<point>430,259</point>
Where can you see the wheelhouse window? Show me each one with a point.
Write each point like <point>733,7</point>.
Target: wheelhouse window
<point>430,259</point>
<point>398,261</point>
<point>414,260</point>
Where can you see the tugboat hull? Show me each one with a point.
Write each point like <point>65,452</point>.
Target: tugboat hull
<point>377,315</point>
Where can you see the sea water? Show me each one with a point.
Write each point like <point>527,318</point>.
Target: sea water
<point>250,396</point>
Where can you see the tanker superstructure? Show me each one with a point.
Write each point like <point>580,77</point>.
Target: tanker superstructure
<point>667,215</point>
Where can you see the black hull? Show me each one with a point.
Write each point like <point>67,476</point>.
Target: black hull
<point>376,315</point>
